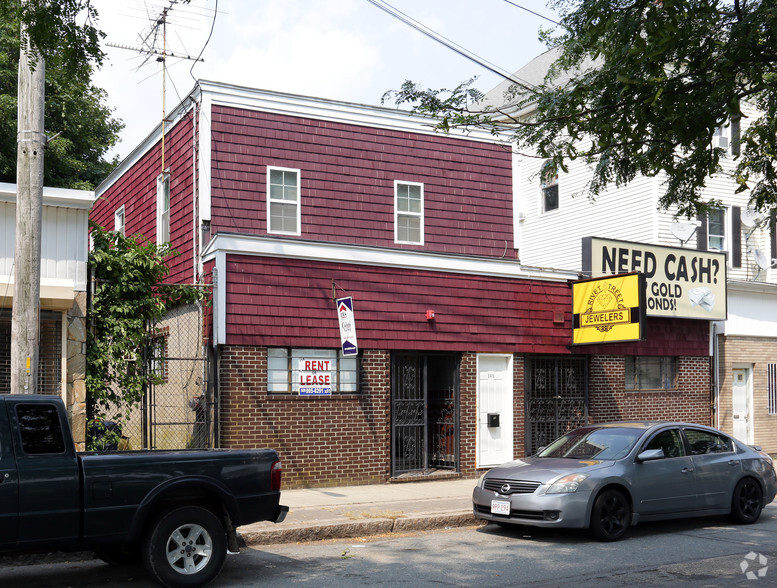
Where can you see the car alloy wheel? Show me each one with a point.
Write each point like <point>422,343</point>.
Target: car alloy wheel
<point>611,516</point>
<point>746,503</point>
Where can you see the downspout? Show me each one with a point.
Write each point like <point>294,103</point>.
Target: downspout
<point>195,214</point>
<point>715,377</point>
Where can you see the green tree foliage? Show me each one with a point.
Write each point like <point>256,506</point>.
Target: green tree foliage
<point>129,298</point>
<point>76,114</point>
<point>647,82</point>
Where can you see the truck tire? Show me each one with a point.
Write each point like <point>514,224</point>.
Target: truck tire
<point>185,547</point>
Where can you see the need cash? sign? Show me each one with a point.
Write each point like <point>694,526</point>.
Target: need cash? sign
<point>681,283</point>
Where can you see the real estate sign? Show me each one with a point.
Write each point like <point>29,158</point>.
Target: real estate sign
<point>681,283</point>
<point>608,310</point>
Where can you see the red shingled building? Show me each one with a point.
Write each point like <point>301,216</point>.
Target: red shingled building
<point>286,203</point>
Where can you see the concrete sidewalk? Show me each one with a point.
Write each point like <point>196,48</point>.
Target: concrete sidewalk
<point>353,511</point>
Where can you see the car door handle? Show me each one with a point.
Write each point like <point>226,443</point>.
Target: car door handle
<point>733,462</point>
<point>687,470</point>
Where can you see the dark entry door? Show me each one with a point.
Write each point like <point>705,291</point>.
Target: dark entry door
<point>424,413</point>
<point>556,398</point>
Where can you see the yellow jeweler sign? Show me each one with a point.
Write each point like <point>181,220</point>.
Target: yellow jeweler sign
<point>681,283</point>
<point>606,310</point>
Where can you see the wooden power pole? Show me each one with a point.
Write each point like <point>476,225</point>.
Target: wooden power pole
<point>31,141</point>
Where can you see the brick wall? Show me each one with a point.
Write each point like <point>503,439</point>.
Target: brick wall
<point>468,413</point>
<point>331,441</point>
<point>755,352</point>
<point>609,401</point>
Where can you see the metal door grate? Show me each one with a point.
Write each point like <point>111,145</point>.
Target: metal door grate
<point>556,398</point>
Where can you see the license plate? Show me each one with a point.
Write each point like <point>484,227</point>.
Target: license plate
<point>501,507</point>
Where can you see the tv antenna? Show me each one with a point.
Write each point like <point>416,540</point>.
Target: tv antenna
<point>149,49</point>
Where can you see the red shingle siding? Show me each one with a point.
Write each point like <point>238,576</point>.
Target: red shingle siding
<point>136,190</point>
<point>287,302</point>
<point>347,181</point>
<point>664,336</point>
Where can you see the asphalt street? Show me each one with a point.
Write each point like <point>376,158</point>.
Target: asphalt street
<point>698,553</point>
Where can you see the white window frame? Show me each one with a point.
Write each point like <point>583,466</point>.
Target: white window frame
<point>724,137</point>
<point>120,221</point>
<point>403,213</point>
<point>726,230</point>
<point>544,187</point>
<point>271,201</point>
<point>162,215</point>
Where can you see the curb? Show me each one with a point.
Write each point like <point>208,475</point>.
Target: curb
<point>343,530</point>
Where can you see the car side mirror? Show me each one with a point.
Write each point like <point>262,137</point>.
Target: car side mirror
<point>651,455</point>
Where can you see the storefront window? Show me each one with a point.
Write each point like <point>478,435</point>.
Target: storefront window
<point>311,371</point>
<point>651,373</point>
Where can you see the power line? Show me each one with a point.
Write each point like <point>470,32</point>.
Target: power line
<point>534,13</point>
<point>455,47</point>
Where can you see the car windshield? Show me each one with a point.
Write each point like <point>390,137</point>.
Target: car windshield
<point>594,443</point>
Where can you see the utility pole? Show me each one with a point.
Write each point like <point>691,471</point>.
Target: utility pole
<point>31,141</point>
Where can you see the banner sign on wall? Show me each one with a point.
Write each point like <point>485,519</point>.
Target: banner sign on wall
<point>608,310</point>
<point>681,283</point>
<point>347,326</point>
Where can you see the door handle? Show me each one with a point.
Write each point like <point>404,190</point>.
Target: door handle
<point>687,470</point>
<point>733,462</point>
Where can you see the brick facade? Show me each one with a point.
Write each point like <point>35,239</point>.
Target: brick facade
<point>755,352</point>
<point>338,440</point>
<point>345,440</point>
<point>609,401</point>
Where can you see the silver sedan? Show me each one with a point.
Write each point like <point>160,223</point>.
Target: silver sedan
<point>606,477</point>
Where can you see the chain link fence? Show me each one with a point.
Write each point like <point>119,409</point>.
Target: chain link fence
<point>178,410</point>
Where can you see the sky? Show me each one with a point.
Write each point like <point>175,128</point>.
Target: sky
<point>347,50</point>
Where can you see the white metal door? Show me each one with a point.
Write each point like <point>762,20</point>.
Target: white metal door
<point>495,409</point>
<point>742,392</point>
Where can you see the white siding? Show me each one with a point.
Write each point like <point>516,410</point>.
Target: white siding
<point>64,243</point>
<point>752,314</point>
<point>553,239</point>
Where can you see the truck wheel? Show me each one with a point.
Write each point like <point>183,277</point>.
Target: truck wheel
<point>185,547</point>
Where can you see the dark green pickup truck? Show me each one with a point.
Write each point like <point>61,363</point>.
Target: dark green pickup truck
<point>177,511</point>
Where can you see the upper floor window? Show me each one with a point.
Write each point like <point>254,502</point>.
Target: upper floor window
<point>651,373</point>
<point>163,208</point>
<point>727,137</point>
<point>549,186</point>
<point>408,212</point>
<point>283,201</point>
<point>118,221</point>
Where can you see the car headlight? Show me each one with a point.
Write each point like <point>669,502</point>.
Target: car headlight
<point>569,483</point>
<point>480,481</point>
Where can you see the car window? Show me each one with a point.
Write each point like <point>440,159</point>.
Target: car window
<point>40,429</point>
<point>702,442</point>
<point>669,441</point>
<point>594,443</point>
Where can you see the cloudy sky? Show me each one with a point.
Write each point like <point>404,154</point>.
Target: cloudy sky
<point>340,49</point>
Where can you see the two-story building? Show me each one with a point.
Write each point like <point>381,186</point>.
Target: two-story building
<point>305,214</point>
<point>63,286</point>
<point>557,217</point>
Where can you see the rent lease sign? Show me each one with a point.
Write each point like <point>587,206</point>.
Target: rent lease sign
<point>681,283</point>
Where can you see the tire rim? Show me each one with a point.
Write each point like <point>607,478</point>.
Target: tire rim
<point>749,500</point>
<point>189,549</point>
<point>613,516</point>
